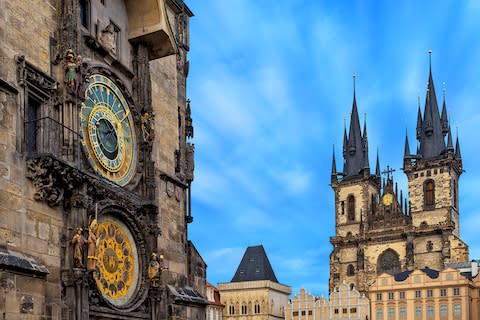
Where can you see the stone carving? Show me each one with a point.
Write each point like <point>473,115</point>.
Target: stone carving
<point>148,126</point>
<point>37,80</point>
<point>154,270</point>
<point>360,259</point>
<point>92,243</point>
<point>51,179</point>
<point>409,253</point>
<point>78,242</point>
<point>75,74</point>
<point>189,161</point>
<point>429,246</point>
<point>26,304</point>
<point>107,36</point>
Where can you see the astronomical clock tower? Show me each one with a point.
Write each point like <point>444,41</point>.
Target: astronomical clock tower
<point>378,228</point>
<point>96,163</point>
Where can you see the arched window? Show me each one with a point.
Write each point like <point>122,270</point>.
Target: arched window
<point>388,262</point>
<point>429,193</point>
<point>256,308</point>
<point>244,308</point>
<point>350,270</point>
<point>351,207</point>
<point>231,309</point>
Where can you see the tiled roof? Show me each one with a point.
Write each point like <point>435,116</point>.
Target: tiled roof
<point>254,266</point>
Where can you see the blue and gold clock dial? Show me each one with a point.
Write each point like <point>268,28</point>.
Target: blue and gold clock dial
<point>107,131</point>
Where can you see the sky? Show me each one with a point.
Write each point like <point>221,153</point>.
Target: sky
<point>271,85</point>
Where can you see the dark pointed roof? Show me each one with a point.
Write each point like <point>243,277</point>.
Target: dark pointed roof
<point>254,266</point>
<point>355,146</point>
<point>430,134</point>
<point>450,143</point>
<point>377,166</point>
<point>406,152</point>
<point>444,117</point>
<point>334,164</point>
<point>458,155</point>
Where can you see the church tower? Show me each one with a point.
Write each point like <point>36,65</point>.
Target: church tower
<point>433,174</point>
<point>356,189</point>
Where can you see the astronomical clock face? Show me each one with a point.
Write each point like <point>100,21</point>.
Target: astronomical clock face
<point>107,131</point>
<point>117,264</point>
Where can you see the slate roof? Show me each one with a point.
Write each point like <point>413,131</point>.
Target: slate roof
<point>254,266</point>
<point>17,261</point>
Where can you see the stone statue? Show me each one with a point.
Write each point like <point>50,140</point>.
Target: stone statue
<point>107,37</point>
<point>78,242</point>
<point>148,126</point>
<point>92,243</point>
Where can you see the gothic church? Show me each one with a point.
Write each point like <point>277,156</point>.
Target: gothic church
<point>377,229</point>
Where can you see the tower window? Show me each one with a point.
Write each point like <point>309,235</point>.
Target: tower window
<point>84,12</point>
<point>351,207</point>
<point>350,270</point>
<point>429,193</point>
<point>231,309</point>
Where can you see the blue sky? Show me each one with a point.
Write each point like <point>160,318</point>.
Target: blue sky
<point>271,83</point>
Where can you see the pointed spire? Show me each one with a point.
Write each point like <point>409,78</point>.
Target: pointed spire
<point>444,117</point>
<point>377,166</point>
<point>345,139</point>
<point>334,164</point>
<point>431,138</point>
<point>450,143</point>
<point>458,155</point>
<point>406,153</point>
<point>419,121</point>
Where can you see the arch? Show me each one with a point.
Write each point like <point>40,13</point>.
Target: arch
<point>352,286</point>
<point>388,262</point>
<point>351,207</point>
<point>350,270</point>
<point>429,193</point>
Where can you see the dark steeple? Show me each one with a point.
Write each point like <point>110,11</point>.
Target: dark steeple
<point>458,155</point>
<point>356,150</point>
<point>431,136</point>
<point>254,266</point>
<point>366,165</point>
<point>443,117</point>
<point>406,153</point>
<point>334,167</point>
<point>419,121</point>
<point>450,143</point>
<point>377,167</point>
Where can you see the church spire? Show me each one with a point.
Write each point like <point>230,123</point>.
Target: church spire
<point>449,143</point>
<point>430,137</point>
<point>334,167</point>
<point>419,121</point>
<point>443,117</point>
<point>458,155</point>
<point>377,167</point>
<point>356,145</point>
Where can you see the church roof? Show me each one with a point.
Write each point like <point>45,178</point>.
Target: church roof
<point>254,266</point>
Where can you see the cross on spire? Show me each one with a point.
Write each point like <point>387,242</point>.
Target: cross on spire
<point>388,172</point>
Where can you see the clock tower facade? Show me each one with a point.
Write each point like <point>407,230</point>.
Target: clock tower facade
<point>97,169</point>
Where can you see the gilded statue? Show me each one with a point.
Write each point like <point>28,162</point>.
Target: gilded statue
<point>92,244</point>
<point>155,267</point>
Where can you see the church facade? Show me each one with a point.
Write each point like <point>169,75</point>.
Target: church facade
<point>96,161</point>
<point>377,229</point>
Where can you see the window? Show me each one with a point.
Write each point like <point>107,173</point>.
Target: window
<point>430,311</point>
<point>456,291</point>
<point>455,197</point>
<point>350,270</point>
<point>443,311</point>
<point>388,262</point>
<point>295,313</point>
<point>429,293</point>
<point>379,314</point>
<point>418,312</point>
<point>310,312</point>
<point>84,12</point>
<point>344,310</point>
<point>231,310</point>
<point>457,310</point>
<point>303,313</point>
<point>32,116</point>
<point>418,294</point>
<point>379,297</point>
<point>244,309</point>
<point>429,193</point>
<point>335,311</point>
<point>342,204</point>
<point>353,310</point>
<point>256,308</point>
<point>391,313</point>
<point>402,295</point>
<point>391,295</point>
<point>402,313</point>
<point>351,207</point>
<point>443,292</point>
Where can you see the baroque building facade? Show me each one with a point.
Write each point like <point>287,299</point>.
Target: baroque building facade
<point>254,292</point>
<point>377,229</point>
<point>96,162</point>
<point>345,302</point>
<point>426,294</point>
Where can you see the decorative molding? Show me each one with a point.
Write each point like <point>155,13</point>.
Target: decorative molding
<point>7,87</point>
<point>37,81</point>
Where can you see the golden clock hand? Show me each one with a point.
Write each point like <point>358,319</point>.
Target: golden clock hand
<point>124,117</point>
